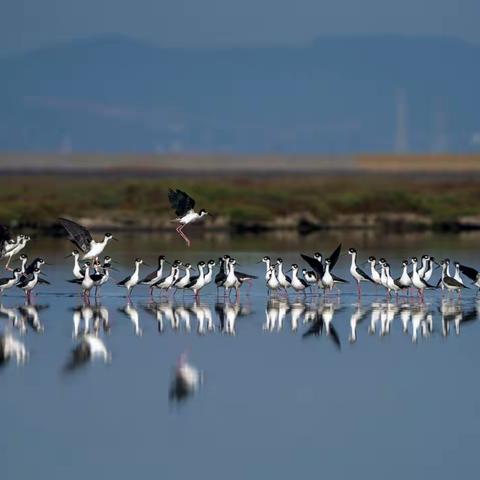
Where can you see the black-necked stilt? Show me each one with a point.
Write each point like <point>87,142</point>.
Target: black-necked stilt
<point>209,274</point>
<point>472,274</point>
<point>417,282</point>
<point>198,281</point>
<point>283,279</point>
<point>186,380</point>
<point>88,348</point>
<point>77,268</point>
<point>132,280</point>
<point>30,282</point>
<point>83,239</point>
<point>405,281</point>
<point>11,347</point>
<point>101,278</point>
<point>10,246</point>
<point>166,282</point>
<point>297,283</point>
<point>392,284</point>
<point>7,283</point>
<point>182,282</point>
<point>231,281</point>
<point>424,266</point>
<point>373,271</point>
<point>457,276</point>
<point>448,282</point>
<point>184,206</point>
<point>357,273</point>
<point>272,281</point>
<point>329,279</point>
<point>152,278</point>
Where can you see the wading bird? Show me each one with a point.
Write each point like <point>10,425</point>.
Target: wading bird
<point>184,206</point>
<point>83,240</point>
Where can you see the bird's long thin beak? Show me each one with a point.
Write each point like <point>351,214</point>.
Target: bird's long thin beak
<point>212,215</point>
<point>114,269</point>
<point>49,264</point>
<point>115,238</point>
<point>68,256</point>
<point>146,264</point>
<point>261,261</point>
<point>288,271</point>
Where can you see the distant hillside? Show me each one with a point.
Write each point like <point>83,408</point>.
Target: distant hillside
<point>336,96</point>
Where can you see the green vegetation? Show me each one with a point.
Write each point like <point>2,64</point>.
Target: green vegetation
<point>38,200</point>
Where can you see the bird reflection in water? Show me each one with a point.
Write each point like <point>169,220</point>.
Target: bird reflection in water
<point>10,347</point>
<point>322,324</point>
<point>452,312</point>
<point>186,380</point>
<point>88,348</point>
<point>358,315</point>
<point>131,312</point>
<point>94,318</point>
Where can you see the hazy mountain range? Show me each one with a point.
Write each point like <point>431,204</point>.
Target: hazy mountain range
<point>337,95</point>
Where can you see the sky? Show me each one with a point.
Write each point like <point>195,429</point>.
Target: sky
<point>30,24</point>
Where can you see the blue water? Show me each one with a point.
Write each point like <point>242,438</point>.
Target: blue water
<point>273,403</point>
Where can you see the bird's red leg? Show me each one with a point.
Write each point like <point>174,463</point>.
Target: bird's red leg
<point>180,231</point>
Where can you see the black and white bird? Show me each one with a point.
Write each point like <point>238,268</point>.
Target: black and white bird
<point>184,205</point>
<point>152,278</point>
<point>472,274</point>
<point>316,262</point>
<point>9,282</point>
<point>284,280</point>
<point>198,281</point>
<point>83,239</point>
<point>132,280</point>
<point>448,282</point>
<point>9,246</point>
<point>357,273</point>
<point>420,284</point>
<point>297,283</point>
<point>405,281</point>
<point>182,282</point>
<point>375,276</point>
<point>30,282</point>
<point>329,279</point>
<point>77,268</point>
<point>167,282</point>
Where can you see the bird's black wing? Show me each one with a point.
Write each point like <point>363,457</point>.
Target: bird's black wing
<point>364,275</point>
<point>75,280</point>
<point>469,272</point>
<point>245,276</point>
<point>453,283</point>
<point>124,281</point>
<point>335,256</point>
<point>149,277</point>
<point>315,264</point>
<point>29,270</point>
<point>193,281</point>
<point>338,279</point>
<point>77,234</point>
<point>180,201</point>
<point>42,280</point>
<point>23,283</point>
<point>220,278</point>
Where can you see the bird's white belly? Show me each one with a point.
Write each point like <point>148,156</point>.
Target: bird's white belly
<point>188,218</point>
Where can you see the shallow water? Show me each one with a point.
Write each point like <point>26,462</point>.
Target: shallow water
<point>396,397</point>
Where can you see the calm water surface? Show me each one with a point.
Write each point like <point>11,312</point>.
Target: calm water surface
<point>389,390</point>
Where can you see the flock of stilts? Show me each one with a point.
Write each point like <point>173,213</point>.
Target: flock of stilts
<point>93,274</point>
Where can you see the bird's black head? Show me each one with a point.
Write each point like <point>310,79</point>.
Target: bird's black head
<point>211,262</point>
<point>201,264</point>
<point>382,260</point>
<point>279,261</point>
<point>138,260</point>
<point>108,235</point>
<point>294,266</point>
<point>107,259</point>
<point>23,256</point>
<point>40,261</point>
<point>371,259</point>
<point>425,257</point>
<point>317,255</point>
<point>327,261</point>
<point>161,258</point>
<point>202,212</point>
<point>351,251</point>
<point>188,266</point>
<point>414,260</point>
<point>37,270</point>
<point>265,259</point>
<point>447,261</point>
<point>405,263</point>
<point>17,270</point>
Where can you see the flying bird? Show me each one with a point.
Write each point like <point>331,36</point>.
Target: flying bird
<point>83,239</point>
<point>184,205</point>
